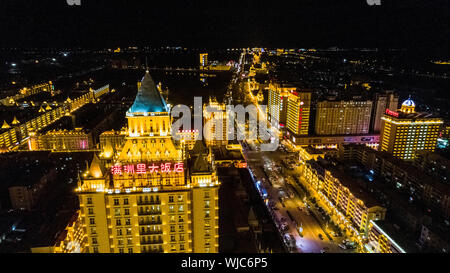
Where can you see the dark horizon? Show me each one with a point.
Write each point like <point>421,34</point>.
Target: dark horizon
<point>412,24</point>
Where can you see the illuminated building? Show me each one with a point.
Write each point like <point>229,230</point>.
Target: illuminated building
<point>203,60</point>
<point>61,140</point>
<point>387,100</point>
<point>333,142</point>
<point>346,202</point>
<point>278,103</point>
<point>26,92</point>
<point>380,241</point>
<point>111,143</point>
<point>150,197</point>
<point>406,131</point>
<point>298,113</point>
<point>11,138</point>
<point>217,134</point>
<point>188,138</point>
<point>309,153</point>
<point>343,117</point>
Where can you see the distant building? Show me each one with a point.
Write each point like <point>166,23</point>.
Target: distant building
<point>351,206</point>
<point>216,124</point>
<point>405,132</point>
<point>343,117</point>
<point>278,103</point>
<point>25,194</point>
<point>188,138</point>
<point>204,60</point>
<point>61,140</point>
<point>435,164</point>
<point>435,239</point>
<point>298,114</point>
<point>383,101</point>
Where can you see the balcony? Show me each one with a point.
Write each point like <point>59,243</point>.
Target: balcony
<point>159,250</point>
<point>148,202</point>
<point>149,223</point>
<point>151,242</point>
<point>149,212</point>
<point>150,232</point>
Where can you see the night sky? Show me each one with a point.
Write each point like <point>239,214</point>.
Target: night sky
<point>421,24</point>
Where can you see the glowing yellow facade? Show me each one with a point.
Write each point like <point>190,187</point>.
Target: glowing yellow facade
<point>149,197</point>
<point>278,103</point>
<point>203,60</point>
<point>343,117</point>
<point>405,132</point>
<point>214,135</point>
<point>298,113</point>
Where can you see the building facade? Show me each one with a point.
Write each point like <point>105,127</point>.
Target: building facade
<point>216,124</point>
<point>343,117</point>
<point>149,197</point>
<point>387,100</point>
<point>278,104</point>
<point>406,132</point>
<point>298,113</point>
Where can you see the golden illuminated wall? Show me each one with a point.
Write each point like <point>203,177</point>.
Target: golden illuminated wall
<point>330,189</point>
<point>183,220</point>
<point>188,138</point>
<point>11,138</point>
<point>148,201</point>
<point>278,103</point>
<point>343,117</point>
<point>203,60</point>
<point>213,135</point>
<point>402,137</point>
<point>298,113</point>
<point>206,220</point>
<point>149,125</point>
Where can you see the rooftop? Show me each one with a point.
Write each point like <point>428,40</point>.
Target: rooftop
<point>148,99</point>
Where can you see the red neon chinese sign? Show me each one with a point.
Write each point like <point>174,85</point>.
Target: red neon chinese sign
<point>143,168</point>
<point>391,113</point>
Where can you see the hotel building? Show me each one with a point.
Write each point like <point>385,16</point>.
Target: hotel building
<point>350,206</point>
<point>343,117</point>
<point>405,132</point>
<point>383,101</point>
<point>298,114</point>
<point>278,103</point>
<point>216,124</point>
<point>149,196</point>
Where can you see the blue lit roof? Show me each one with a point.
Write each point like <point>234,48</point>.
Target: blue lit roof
<point>409,103</point>
<point>148,98</point>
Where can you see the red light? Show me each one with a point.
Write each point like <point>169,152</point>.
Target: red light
<point>392,113</point>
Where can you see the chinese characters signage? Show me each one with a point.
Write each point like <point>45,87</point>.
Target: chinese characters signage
<point>147,168</point>
<point>391,113</point>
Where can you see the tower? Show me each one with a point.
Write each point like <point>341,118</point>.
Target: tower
<point>151,198</point>
<point>406,131</point>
